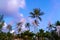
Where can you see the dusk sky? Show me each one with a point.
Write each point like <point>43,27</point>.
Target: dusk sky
<point>16,10</point>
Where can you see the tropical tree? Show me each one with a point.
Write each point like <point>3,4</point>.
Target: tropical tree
<point>27,35</point>
<point>19,25</point>
<point>9,27</point>
<point>3,36</point>
<point>47,35</point>
<point>36,14</point>
<point>41,34</point>
<point>54,33</point>
<point>57,23</point>
<point>1,22</point>
<point>54,36</point>
<point>27,25</point>
<point>9,36</point>
<point>50,26</point>
<point>1,18</point>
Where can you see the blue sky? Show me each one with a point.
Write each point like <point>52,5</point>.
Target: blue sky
<point>51,8</point>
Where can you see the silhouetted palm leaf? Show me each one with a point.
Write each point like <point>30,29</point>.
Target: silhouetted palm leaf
<point>39,18</point>
<point>19,24</point>
<point>42,13</point>
<point>36,22</point>
<point>27,25</point>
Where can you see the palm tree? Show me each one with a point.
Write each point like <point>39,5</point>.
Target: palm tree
<point>50,26</point>
<point>36,15</point>
<point>27,35</point>
<point>48,35</point>
<point>27,25</point>
<point>1,22</point>
<point>54,33</point>
<point>9,36</point>
<point>1,18</point>
<point>40,34</point>
<point>9,27</point>
<point>57,24</point>
<point>19,25</point>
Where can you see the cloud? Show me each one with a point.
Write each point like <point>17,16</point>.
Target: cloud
<point>4,29</point>
<point>10,8</point>
<point>12,31</point>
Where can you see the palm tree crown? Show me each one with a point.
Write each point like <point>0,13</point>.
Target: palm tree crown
<point>36,14</point>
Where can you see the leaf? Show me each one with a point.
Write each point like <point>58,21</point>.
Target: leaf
<point>32,16</point>
<point>42,13</point>
<point>32,13</point>
<point>19,24</point>
<point>39,18</point>
<point>27,25</point>
<point>36,22</point>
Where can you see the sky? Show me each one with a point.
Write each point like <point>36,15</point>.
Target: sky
<point>17,10</point>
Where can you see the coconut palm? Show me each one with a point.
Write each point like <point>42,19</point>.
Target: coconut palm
<point>40,34</point>
<point>54,35</point>
<point>27,25</point>
<point>36,14</point>
<point>9,36</point>
<point>1,22</point>
<point>47,35</point>
<point>27,35</point>
<point>50,26</point>
<point>57,23</point>
<point>1,18</point>
<point>9,27</point>
<point>19,25</point>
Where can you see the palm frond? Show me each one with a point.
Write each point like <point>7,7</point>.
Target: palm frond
<point>42,13</point>
<point>31,13</point>
<point>36,22</point>
<point>27,25</point>
<point>32,16</point>
<point>39,18</point>
<point>19,24</point>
